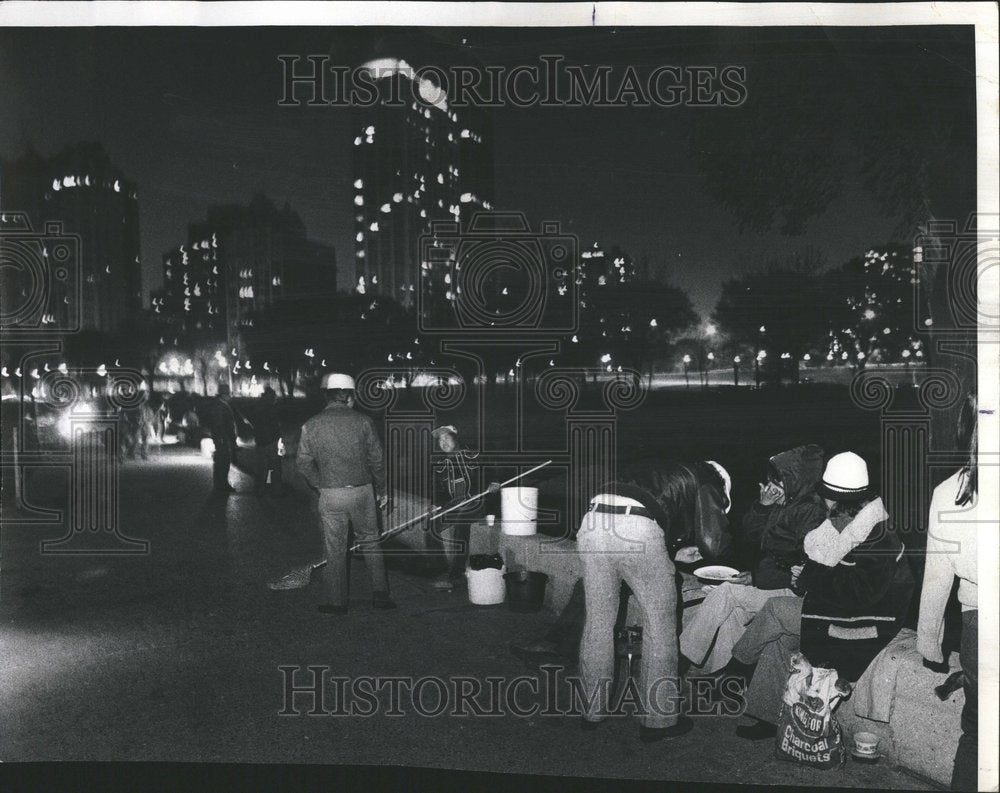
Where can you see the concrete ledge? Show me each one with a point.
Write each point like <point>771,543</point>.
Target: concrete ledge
<point>922,732</point>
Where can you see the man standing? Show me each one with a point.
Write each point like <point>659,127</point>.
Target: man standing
<point>340,455</point>
<point>223,428</point>
<point>267,432</point>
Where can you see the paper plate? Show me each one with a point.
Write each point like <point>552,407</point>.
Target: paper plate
<point>716,572</point>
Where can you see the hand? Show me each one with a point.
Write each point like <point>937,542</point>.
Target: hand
<point>688,555</point>
<point>745,579</point>
<point>383,502</point>
<point>771,494</point>
<point>796,570</point>
<point>494,487</point>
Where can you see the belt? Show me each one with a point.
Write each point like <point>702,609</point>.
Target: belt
<point>640,512</point>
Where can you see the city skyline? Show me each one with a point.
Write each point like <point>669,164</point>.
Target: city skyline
<point>620,176</point>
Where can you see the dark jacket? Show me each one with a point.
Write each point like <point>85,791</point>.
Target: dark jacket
<point>852,611</point>
<point>340,447</point>
<point>267,426</point>
<point>453,478</point>
<point>222,421</point>
<point>687,500</point>
<point>778,529</point>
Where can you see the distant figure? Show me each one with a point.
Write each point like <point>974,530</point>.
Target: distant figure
<point>222,425</point>
<point>340,455</point>
<point>267,433</point>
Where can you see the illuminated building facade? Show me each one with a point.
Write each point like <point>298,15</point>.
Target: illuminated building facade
<point>416,161</point>
<point>80,189</point>
<point>237,262</point>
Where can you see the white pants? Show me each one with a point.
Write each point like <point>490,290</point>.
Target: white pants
<point>719,621</point>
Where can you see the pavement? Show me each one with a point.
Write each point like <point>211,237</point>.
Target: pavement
<point>176,655</point>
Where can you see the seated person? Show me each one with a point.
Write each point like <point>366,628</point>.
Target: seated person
<point>694,502</point>
<point>453,485</point>
<point>855,588</point>
<point>788,509</point>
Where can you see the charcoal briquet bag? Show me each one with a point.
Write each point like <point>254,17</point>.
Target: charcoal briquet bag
<point>802,738</point>
<point>808,732</point>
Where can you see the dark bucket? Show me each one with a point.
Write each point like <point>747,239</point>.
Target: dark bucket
<point>525,590</point>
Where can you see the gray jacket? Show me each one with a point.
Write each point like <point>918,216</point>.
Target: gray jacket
<point>340,447</point>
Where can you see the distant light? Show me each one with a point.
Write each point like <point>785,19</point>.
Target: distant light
<point>906,353</point>
<point>807,357</point>
<point>870,313</point>
<point>607,358</point>
<point>687,359</point>
<point>358,183</point>
<point>359,200</point>
<point>736,359</point>
<point>711,356</point>
<point>763,328</point>
<point>652,323</point>
<point>928,322</point>
<point>761,355</point>
<point>710,329</point>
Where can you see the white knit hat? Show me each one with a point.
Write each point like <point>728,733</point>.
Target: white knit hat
<point>336,380</point>
<point>727,482</point>
<point>845,478</point>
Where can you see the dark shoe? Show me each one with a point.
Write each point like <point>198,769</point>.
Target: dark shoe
<point>382,601</point>
<point>330,608</point>
<point>589,726</point>
<point>757,731</point>
<point>683,726</point>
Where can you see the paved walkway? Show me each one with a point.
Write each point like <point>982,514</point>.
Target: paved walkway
<point>176,655</point>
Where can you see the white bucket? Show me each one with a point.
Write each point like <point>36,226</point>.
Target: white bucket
<point>486,587</point>
<point>519,510</point>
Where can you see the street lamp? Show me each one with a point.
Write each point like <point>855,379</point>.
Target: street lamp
<point>756,365</point>
<point>736,370</point>
<point>709,357</point>
<point>687,362</point>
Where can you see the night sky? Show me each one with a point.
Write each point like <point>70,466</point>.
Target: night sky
<point>191,115</point>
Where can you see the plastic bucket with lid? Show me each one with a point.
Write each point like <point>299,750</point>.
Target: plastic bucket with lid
<point>519,510</point>
<point>485,586</point>
<point>525,590</point>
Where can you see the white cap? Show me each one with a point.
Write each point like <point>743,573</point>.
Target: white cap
<point>335,380</point>
<point>845,478</point>
<point>726,481</point>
